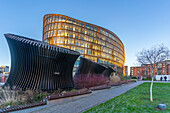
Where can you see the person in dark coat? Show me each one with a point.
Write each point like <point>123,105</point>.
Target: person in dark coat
<point>138,77</point>
<point>165,78</point>
<point>161,78</point>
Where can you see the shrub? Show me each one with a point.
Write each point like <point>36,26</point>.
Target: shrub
<point>114,79</point>
<point>8,97</point>
<point>89,80</point>
<point>133,77</point>
<point>18,97</point>
<point>73,90</point>
<point>40,96</point>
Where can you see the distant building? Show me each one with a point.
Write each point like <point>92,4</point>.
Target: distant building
<point>4,76</point>
<point>4,68</point>
<point>4,73</point>
<point>161,68</point>
<point>126,70</point>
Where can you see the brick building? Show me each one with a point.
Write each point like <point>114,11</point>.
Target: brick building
<point>162,68</point>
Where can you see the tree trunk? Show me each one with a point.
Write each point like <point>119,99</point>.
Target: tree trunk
<point>151,99</point>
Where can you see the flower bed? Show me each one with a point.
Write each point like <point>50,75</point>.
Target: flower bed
<point>69,94</point>
<point>89,80</point>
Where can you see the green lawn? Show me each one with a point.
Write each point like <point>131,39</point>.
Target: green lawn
<point>137,100</point>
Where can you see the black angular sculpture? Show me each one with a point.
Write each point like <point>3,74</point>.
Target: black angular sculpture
<point>39,66</point>
<point>108,72</point>
<point>87,66</point>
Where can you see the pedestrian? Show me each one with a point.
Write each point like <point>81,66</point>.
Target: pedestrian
<point>138,77</point>
<point>165,78</point>
<point>161,78</point>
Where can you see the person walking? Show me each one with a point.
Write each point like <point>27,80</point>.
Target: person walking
<point>165,78</point>
<point>161,78</point>
<point>138,78</point>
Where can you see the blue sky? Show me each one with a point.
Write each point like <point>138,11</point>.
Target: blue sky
<point>138,23</point>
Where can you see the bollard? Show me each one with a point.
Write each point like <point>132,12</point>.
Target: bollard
<point>162,106</point>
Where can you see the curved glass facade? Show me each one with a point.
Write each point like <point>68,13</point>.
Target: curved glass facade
<point>92,41</point>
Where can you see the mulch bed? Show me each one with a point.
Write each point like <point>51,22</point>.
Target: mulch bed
<point>21,107</point>
<point>69,94</point>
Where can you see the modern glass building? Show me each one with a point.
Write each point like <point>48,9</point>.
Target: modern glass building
<point>93,42</point>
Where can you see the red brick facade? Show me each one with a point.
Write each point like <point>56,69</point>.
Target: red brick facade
<point>162,68</point>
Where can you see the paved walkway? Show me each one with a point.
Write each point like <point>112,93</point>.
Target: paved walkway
<point>82,103</point>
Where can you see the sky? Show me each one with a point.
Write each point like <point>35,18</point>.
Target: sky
<point>140,24</point>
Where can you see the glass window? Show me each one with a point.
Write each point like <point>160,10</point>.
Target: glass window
<point>56,18</point>
<point>96,29</point>
<point>53,18</point>
<point>69,20</point>
<point>79,23</point>
<point>83,31</point>
<point>81,37</point>
<point>95,40</point>
<point>61,33</point>
<point>106,33</point>
<point>60,39</point>
<point>51,33</point>
<point>71,41</point>
<point>82,24</point>
<point>54,33</point>
<point>70,34</point>
<point>76,42</point>
<point>75,35</point>
<point>55,40</point>
<point>87,26</point>
<point>71,27</point>
<point>89,51</point>
<point>63,19</point>
<point>74,22</point>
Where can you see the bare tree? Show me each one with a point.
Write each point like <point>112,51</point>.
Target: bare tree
<point>153,56</point>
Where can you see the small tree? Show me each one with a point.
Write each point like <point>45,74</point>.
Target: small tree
<point>153,56</point>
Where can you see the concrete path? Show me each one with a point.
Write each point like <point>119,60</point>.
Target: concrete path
<point>82,103</point>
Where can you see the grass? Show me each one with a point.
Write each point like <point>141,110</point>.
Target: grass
<point>149,79</point>
<point>137,100</point>
<point>73,89</point>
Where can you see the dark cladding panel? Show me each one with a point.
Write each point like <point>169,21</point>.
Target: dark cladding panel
<point>87,66</point>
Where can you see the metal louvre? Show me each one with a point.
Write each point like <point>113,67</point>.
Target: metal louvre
<point>87,66</point>
<point>39,66</point>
